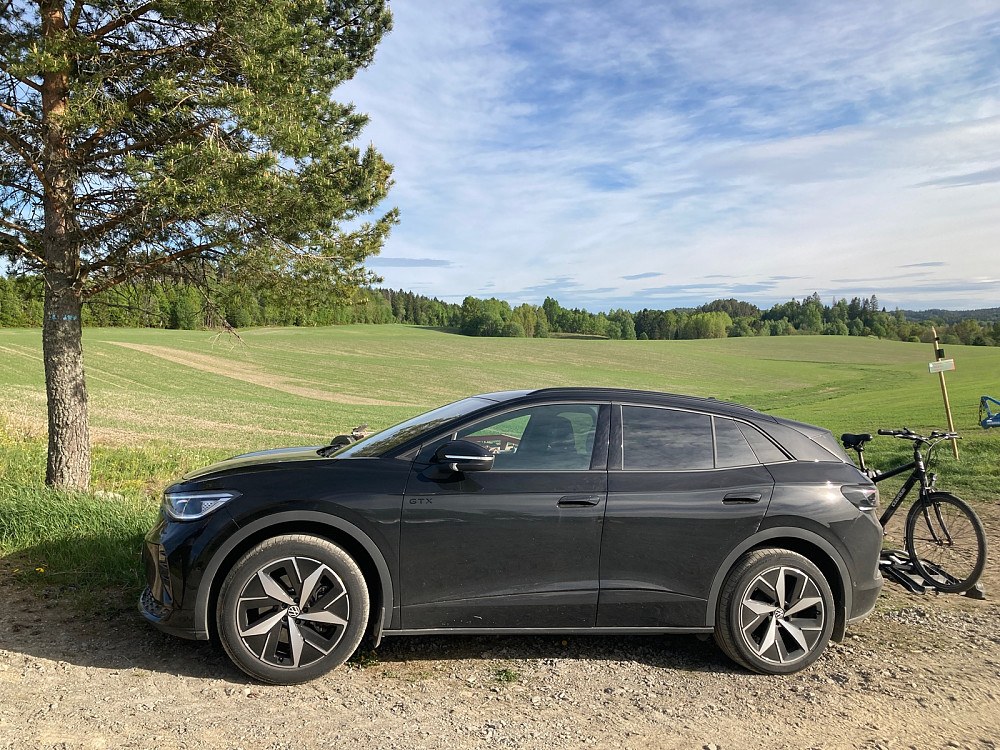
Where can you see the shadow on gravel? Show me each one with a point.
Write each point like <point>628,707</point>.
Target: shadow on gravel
<point>46,628</point>
<point>681,652</point>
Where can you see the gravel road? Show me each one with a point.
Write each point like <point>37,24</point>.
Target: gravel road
<point>922,672</point>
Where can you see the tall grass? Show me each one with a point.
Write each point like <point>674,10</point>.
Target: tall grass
<point>84,546</point>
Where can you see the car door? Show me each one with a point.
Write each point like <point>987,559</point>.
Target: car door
<point>517,546</point>
<point>684,488</point>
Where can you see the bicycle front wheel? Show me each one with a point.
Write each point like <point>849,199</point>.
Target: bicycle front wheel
<point>946,542</point>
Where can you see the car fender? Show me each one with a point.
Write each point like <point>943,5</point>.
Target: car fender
<point>201,613</point>
<point>780,532</point>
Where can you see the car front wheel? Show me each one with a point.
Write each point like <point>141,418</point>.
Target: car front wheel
<point>292,608</point>
<point>776,612</point>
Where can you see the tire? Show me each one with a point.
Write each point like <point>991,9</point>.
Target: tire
<point>946,542</point>
<point>775,613</point>
<point>292,608</point>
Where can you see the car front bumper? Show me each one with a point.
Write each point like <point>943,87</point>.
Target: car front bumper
<point>174,556</point>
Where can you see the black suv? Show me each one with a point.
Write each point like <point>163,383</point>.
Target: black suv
<point>563,510</point>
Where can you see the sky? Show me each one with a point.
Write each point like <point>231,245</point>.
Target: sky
<point>664,154</point>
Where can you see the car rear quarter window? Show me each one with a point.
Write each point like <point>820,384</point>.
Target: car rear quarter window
<point>731,448</point>
<point>766,451</point>
<point>665,440</point>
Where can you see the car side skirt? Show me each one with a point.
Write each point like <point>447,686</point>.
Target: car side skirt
<point>550,631</point>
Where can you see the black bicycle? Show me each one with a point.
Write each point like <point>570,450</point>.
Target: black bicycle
<point>945,539</point>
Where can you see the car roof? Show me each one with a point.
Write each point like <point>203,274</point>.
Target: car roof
<point>626,394</point>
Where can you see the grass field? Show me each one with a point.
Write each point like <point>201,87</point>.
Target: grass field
<point>176,396</point>
<point>164,402</point>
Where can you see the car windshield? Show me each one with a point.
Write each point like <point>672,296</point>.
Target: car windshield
<point>391,437</point>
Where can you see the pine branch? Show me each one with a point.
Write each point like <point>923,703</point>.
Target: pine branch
<point>74,15</point>
<point>22,188</point>
<point>23,149</point>
<point>159,140</point>
<point>26,81</point>
<point>136,54</point>
<point>140,97</point>
<point>210,303</point>
<point>20,247</point>
<point>136,271</point>
<point>134,242</point>
<point>17,228</point>
<point>18,113</point>
<point>123,20</point>
<point>115,221</point>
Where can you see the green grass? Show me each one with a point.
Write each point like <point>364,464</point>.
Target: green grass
<point>164,402</point>
<point>506,675</point>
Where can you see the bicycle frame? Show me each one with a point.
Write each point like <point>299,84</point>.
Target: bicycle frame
<point>917,475</point>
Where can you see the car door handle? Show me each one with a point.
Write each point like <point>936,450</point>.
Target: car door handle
<point>579,501</point>
<point>736,498</point>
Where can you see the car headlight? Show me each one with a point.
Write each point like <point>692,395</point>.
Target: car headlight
<point>188,506</point>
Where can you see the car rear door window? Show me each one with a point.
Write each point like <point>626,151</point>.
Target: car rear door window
<point>665,440</point>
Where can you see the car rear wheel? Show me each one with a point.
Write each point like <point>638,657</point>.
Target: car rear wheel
<point>775,612</point>
<point>292,608</point>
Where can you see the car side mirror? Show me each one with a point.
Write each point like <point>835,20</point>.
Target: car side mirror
<point>462,455</point>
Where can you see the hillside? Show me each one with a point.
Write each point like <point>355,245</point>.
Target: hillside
<point>304,385</point>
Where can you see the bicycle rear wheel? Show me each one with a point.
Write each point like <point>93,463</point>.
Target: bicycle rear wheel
<point>946,542</point>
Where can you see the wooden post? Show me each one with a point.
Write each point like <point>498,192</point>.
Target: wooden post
<point>944,391</point>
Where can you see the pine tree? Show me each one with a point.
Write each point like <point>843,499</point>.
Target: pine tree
<point>139,138</point>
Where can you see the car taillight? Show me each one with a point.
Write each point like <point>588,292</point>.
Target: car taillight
<point>862,496</point>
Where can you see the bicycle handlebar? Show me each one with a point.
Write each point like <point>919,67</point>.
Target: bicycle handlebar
<point>907,434</point>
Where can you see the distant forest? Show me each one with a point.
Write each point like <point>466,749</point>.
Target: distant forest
<point>239,305</point>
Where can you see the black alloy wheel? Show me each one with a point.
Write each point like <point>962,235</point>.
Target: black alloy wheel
<point>292,608</point>
<point>776,612</point>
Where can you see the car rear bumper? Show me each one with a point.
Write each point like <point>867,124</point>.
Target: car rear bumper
<point>865,596</point>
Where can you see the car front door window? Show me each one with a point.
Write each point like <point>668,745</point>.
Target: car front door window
<point>554,437</point>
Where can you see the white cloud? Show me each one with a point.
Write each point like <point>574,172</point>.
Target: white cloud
<point>556,149</point>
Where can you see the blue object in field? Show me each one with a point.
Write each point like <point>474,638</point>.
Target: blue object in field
<point>989,417</point>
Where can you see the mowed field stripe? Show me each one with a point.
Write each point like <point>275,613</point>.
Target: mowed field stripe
<point>250,374</point>
<point>18,352</point>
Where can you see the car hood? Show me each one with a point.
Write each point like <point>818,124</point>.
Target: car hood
<point>258,458</point>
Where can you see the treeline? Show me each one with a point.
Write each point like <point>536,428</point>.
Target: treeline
<point>725,318</point>
<point>189,306</point>
<point>293,303</point>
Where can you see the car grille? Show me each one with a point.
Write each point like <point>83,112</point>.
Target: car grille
<point>152,607</point>
<point>157,599</point>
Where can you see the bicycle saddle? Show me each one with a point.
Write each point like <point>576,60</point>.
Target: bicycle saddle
<point>855,441</point>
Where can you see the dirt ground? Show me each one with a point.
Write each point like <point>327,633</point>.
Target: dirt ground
<point>922,672</point>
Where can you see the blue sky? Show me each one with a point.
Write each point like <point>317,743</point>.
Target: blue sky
<point>664,154</point>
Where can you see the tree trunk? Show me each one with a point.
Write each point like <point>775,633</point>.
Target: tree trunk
<point>62,340</point>
<point>62,346</point>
